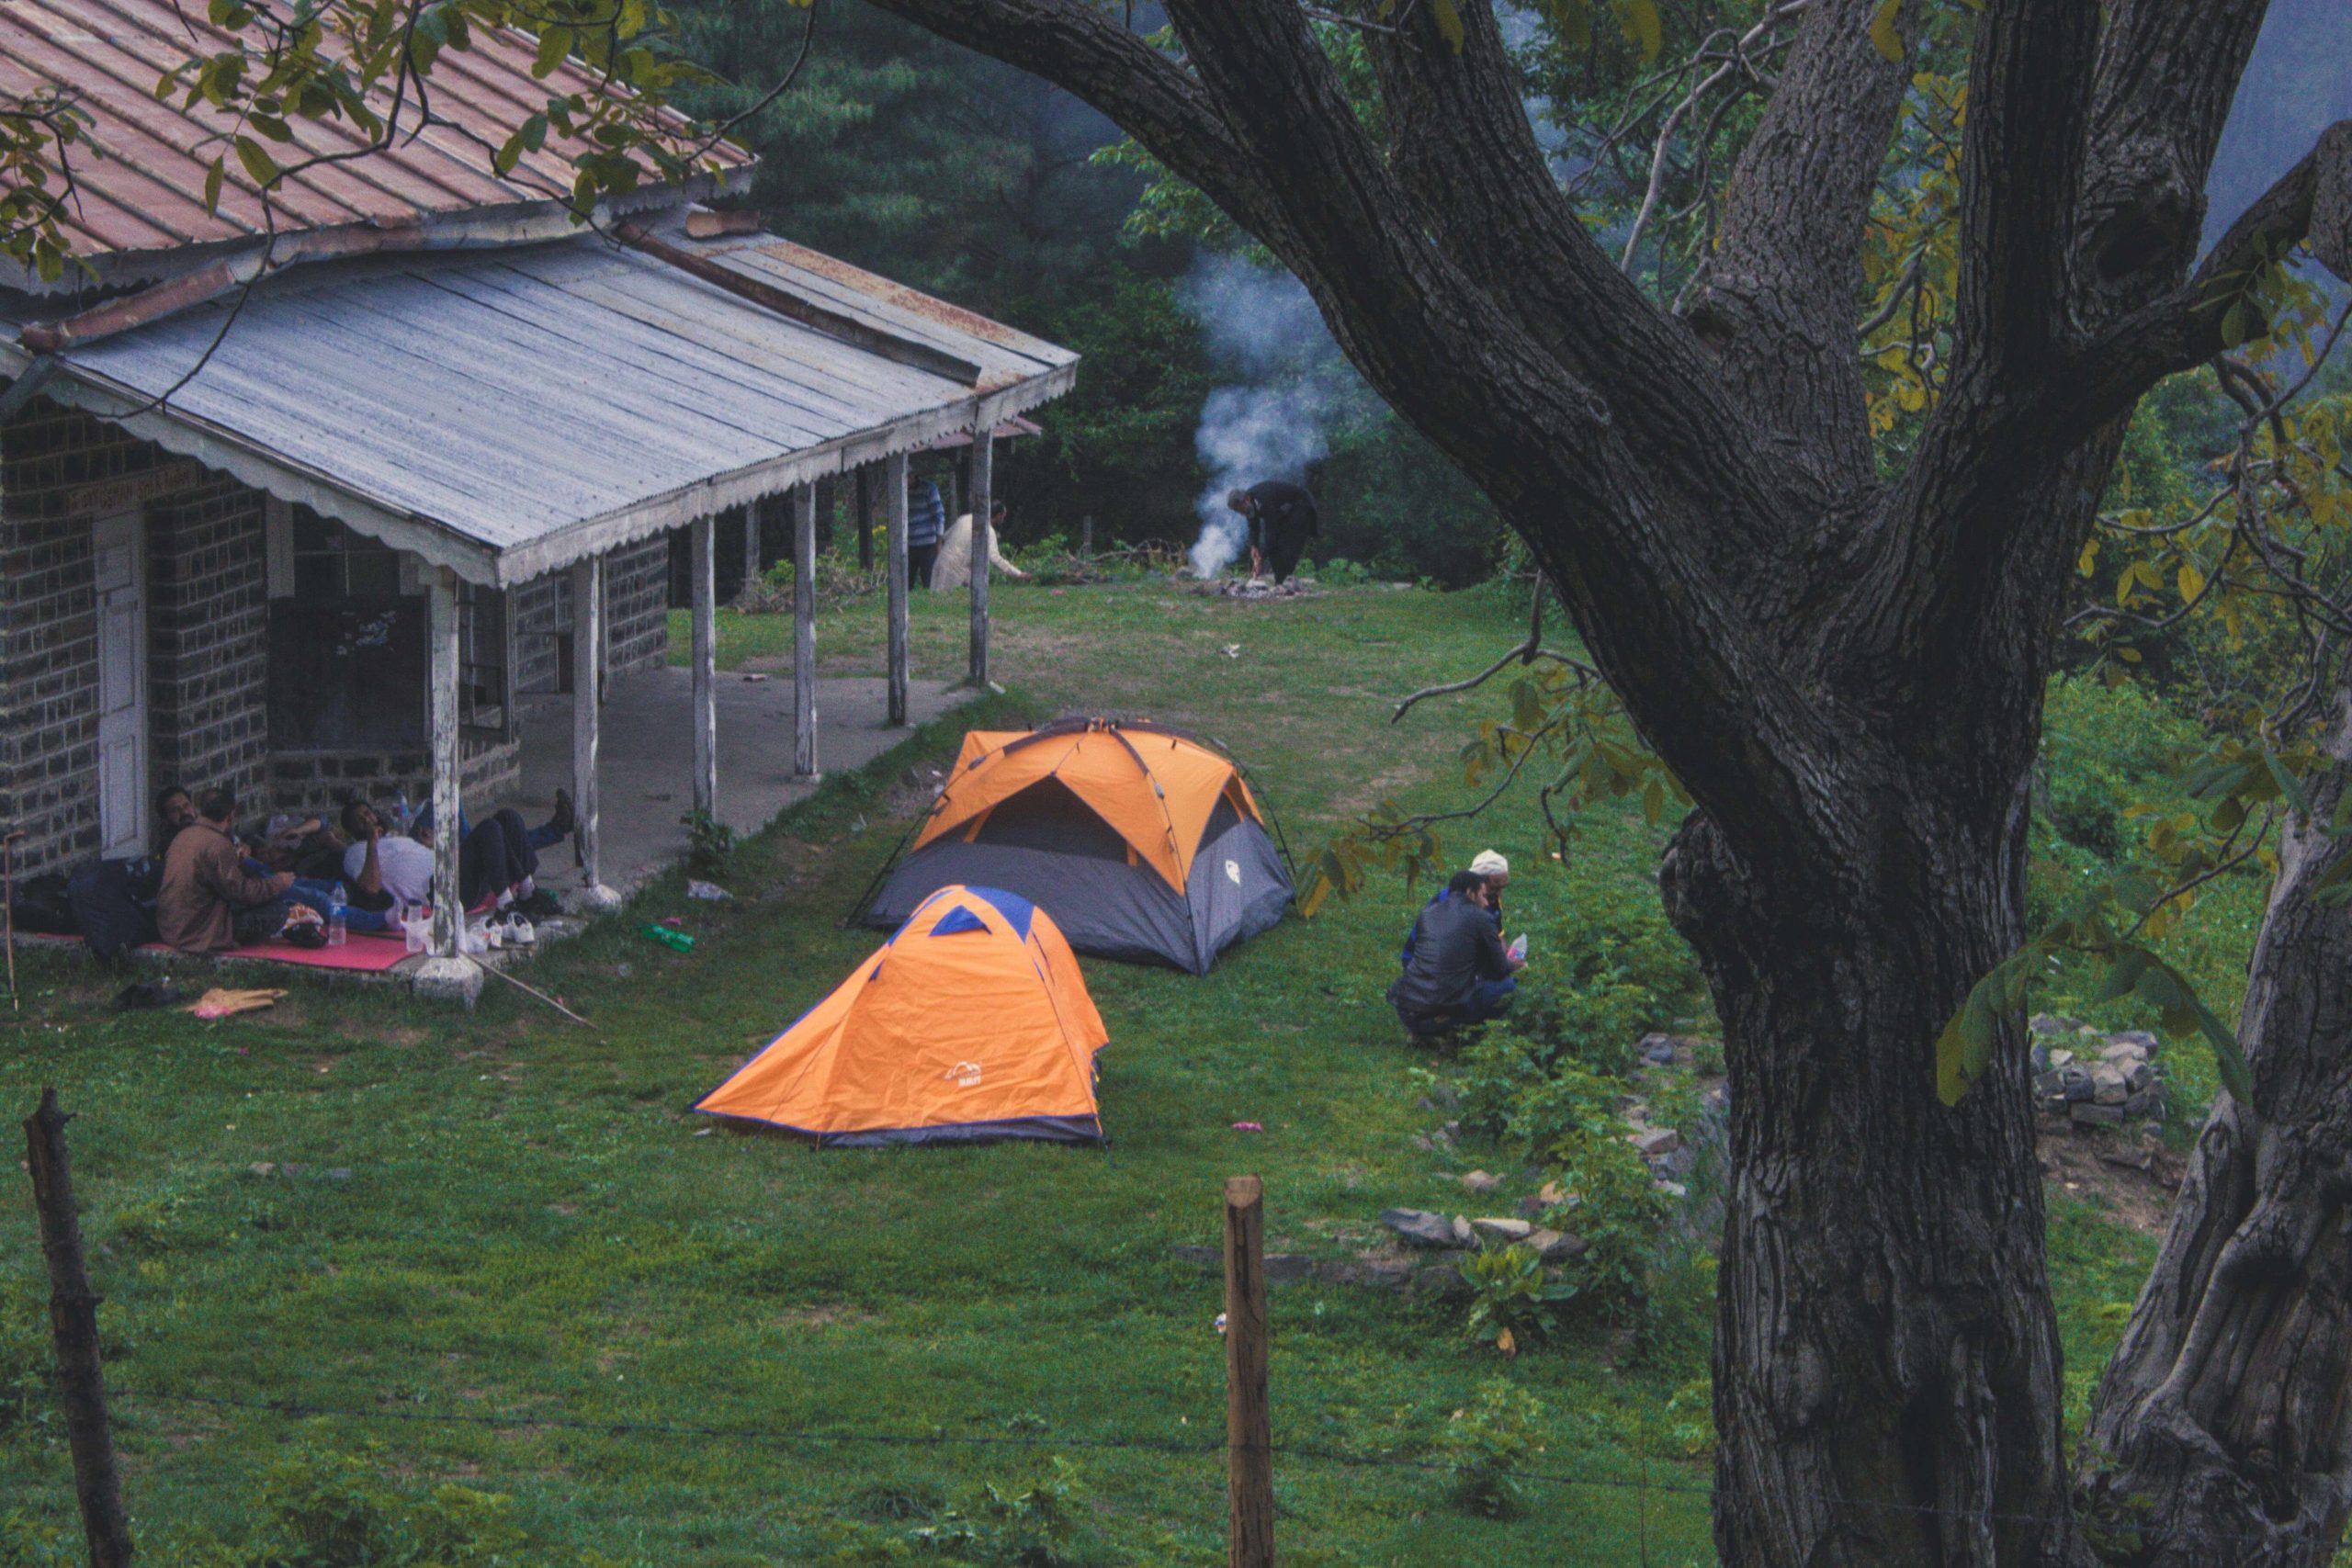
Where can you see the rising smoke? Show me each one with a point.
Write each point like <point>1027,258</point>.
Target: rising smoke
<point>1285,385</point>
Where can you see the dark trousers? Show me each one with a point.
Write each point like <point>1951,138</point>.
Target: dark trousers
<point>496,856</point>
<point>919,560</point>
<point>1490,1001</point>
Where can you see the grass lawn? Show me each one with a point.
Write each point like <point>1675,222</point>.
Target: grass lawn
<point>509,1218</point>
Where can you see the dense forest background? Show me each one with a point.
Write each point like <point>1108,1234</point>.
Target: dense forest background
<point>959,176</point>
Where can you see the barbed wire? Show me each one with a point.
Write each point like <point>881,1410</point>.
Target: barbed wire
<point>1201,1449</point>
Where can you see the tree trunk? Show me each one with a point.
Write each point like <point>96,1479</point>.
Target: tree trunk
<point>2222,1432</point>
<point>1886,1367</point>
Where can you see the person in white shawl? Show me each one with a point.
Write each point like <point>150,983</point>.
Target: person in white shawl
<point>954,567</point>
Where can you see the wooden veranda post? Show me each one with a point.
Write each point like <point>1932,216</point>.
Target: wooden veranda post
<point>865,518</point>
<point>754,519</point>
<point>447,758</point>
<point>894,488</point>
<point>804,632</point>
<point>706,668</point>
<point>74,1324</point>
<point>587,637</point>
<point>983,503</point>
<point>1248,1427</point>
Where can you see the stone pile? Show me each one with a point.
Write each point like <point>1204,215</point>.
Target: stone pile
<point>2090,1079</point>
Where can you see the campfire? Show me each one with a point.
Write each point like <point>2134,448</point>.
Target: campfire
<point>1257,588</point>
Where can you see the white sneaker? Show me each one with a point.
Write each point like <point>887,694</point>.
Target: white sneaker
<point>519,932</point>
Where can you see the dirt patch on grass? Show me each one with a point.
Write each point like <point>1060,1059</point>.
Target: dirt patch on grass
<point>2133,1181</point>
<point>828,1314</point>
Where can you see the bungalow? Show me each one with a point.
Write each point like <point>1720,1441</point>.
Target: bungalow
<point>300,503</point>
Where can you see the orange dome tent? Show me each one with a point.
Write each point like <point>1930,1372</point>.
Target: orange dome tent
<point>971,1023</point>
<point>1145,842</point>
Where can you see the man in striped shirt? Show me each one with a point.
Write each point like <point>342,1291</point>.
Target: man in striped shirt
<point>926,521</point>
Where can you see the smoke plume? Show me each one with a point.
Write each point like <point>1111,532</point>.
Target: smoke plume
<point>1286,382</point>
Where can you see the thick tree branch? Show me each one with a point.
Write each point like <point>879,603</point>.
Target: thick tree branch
<point>2183,329</point>
<point>2021,164</point>
<point>2167,73</point>
<point>1085,51</point>
<point>1462,147</point>
<point>1776,300</point>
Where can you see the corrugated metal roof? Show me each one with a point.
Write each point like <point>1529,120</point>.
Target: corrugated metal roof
<point>145,191</point>
<point>534,403</point>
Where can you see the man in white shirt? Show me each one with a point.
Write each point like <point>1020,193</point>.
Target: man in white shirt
<point>954,567</point>
<point>496,859</point>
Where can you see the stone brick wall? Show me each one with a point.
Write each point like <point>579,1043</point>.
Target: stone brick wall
<point>60,471</point>
<point>208,639</point>
<point>321,782</point>
<point>542,613</point>
<point>637,605</point>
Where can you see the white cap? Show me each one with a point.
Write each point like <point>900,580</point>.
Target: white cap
<point>1488,864</point>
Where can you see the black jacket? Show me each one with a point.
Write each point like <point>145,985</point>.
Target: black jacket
<point>1285,519</point>
<point>1455,945</point>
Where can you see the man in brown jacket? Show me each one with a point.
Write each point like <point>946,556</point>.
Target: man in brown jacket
<point>210,899</point>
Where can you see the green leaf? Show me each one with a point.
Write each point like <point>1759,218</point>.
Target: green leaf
<point>554,45</point>
<point>256,160</point>
<point>2289,788</point>
<point>1449,23</point>
<point>1884,33</point>
<point>1574,20</point>
<point>1965,1046</point>
<point>212,177</point>
<point>2124,976</point>
<point>1642,25</point>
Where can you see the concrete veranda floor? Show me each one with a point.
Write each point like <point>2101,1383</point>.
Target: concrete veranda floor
<point>646,758</point>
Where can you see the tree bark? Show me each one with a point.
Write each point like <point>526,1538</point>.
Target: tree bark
<point>1886,1369</point>
<point>2221,1432</point>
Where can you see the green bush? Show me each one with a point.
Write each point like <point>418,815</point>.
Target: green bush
<point>1487,1441</point>
<point>1514,1092</point>
<point>319,1508</point>
<point>1512,1305</point>
<point>1034,1526</point>
<point>1620,1217</point>
<point>30,1542</point>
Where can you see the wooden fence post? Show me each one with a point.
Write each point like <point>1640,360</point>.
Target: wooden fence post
<point>74,1323</point>
<point>1248,1425</point>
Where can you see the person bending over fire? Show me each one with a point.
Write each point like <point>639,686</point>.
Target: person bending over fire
<point>1282,519</point>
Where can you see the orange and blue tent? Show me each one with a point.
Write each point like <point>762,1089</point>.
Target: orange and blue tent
<point>1146,843</point>
<point>971,1024</point>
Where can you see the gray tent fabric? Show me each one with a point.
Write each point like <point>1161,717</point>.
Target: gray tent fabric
<point>1048,846</point>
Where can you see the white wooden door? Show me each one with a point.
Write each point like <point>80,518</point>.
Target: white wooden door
<point>118,550</point>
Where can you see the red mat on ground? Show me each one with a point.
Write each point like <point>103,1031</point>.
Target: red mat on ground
<point>368,952</point>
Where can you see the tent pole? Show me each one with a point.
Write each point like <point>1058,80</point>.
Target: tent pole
<point>587,636</point>
<point>447,758</point>
<point>804,632</point>
<point>983,488</point>
<point>705,655</point>
<point>894,486</point>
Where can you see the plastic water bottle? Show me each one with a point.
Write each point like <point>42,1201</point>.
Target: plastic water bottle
<point>338,924</point>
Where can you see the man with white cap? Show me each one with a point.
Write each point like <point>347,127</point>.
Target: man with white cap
<point>1485,863</point>
<point>1497,870</point>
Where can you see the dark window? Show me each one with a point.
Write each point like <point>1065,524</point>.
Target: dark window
<point>485,663</point>
<point>332,562</point>
<point>346,674</point>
